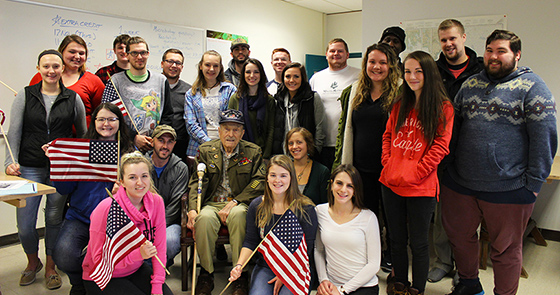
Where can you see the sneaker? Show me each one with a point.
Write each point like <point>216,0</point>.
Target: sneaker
<point>386,262</point>
<point>204,284</point>
<point>53,282</point>
<point>461,289</point>
<point>436,274</point>
<point>29,276</point>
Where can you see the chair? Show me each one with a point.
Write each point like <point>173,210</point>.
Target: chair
<point>187,237</point>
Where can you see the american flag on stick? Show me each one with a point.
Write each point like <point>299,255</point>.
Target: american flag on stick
<point>122,238</point>
<point>111,95</point>
<point>78,159</point>
<point>285,252</point>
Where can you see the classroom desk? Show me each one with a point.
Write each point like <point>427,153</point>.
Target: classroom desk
<point>19,200</point>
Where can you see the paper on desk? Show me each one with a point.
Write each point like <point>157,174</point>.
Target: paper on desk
<point>17,187</point>
<point>11,184</point>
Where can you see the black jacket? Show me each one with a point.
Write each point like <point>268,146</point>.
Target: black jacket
<point>35,132</point>
<point>453,85</point>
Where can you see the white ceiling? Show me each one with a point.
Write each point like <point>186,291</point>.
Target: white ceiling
<point>329,6</point>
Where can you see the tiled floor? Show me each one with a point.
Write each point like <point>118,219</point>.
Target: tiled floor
<point>542,264</point>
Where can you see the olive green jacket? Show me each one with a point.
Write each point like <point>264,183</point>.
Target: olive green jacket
<point>246,173</point>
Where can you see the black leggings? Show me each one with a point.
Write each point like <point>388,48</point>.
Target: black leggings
<point>137,283</point>
<point>409,221</point>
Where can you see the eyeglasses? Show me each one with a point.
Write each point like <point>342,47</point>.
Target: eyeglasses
<point>174,62</point>
<point>136,53</point>
<point>102,120</point>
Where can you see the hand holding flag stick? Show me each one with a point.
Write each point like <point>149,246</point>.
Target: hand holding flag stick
<point>258,246</point>
<point>161,263</point>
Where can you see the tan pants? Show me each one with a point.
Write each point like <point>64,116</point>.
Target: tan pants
<point>207,225</point>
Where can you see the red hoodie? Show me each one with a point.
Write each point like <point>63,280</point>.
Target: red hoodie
<point>409,164</point>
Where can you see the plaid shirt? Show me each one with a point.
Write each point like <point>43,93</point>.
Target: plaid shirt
<point>194,115</point>
<point>111,69</point>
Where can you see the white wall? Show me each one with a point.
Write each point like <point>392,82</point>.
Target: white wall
<point>347,26</point>
<point>536,23</point>
<point>267,23</point>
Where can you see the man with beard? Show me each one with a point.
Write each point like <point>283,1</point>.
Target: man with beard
<point>505,147</point>
<point>456,63</point>
<point>239,52</point>
<point>119,65</point>
<point>172,66</point>
<point>144,93</point>
<point>170,176</point>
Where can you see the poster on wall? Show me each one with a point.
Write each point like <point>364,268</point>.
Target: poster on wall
<point>423,34</point>
<point>221,42</point>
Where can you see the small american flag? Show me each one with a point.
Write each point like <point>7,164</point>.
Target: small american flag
<point>285,252</point>
<point>111,95</point>
<point>78,159</point>
<point>122,238</point>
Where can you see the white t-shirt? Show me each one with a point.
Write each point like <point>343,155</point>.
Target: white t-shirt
<point>329,85</point>
<point>211,106</point>
<point>348,254</point>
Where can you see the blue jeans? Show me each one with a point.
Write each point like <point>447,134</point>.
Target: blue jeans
<point>73,238</point>
<point>259,282</point>
<point>173,242</point>
<point>27,216</point>
<point>408,219</point>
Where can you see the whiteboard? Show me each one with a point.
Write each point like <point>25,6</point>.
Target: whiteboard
<point>27,28</point>
<point>423,34</point>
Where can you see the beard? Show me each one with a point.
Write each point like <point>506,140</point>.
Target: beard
<point>504,69</point>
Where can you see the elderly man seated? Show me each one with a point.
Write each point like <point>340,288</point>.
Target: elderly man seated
<point>235,176</point>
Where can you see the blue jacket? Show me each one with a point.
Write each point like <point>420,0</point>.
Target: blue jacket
<point>83,196</point>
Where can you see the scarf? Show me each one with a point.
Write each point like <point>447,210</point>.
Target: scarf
<point>258,105</point>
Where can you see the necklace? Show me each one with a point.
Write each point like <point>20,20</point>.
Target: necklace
<point>300,175</point>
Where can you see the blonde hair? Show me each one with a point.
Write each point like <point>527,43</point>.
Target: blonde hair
<point>264,210</point>
<point>135,158</point>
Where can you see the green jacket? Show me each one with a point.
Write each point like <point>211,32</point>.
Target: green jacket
<point>246,172</point>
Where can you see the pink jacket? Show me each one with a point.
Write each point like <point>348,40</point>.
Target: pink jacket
<point>152,217</point>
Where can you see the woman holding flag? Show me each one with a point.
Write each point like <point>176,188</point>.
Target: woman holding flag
<point>84,195</point>
<point>41,113</point>
<point>285,209</point>
<point>125,231</point>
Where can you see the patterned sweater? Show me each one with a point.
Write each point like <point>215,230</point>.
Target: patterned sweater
<point>507,138</point>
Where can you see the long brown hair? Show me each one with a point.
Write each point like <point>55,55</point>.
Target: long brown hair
<point>264,210</point>
<point>390,85</point>
<point>430,101</point>
<point>358,197</point>
<point>200,82</point>
<point>73,38</point>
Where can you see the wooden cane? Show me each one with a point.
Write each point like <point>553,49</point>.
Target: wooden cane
<point>198,200</point>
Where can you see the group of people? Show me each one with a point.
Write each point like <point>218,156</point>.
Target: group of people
<point>463,137</point>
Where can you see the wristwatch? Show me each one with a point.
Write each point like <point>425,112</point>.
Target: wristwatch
<point>342,291</point>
